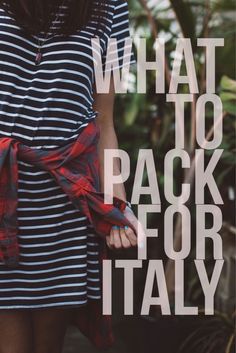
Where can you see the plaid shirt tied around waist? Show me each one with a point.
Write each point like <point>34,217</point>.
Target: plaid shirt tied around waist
<point>75,167</point>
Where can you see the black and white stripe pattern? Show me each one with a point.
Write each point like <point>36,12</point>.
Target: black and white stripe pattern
<point>45,106</point>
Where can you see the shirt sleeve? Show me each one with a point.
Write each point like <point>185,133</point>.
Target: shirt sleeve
<point>121,46</point>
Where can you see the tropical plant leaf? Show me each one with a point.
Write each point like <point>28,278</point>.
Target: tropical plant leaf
<point>228,94</point>
<point>220,5</point>
<point>227,84</point>
<point>230,343</point>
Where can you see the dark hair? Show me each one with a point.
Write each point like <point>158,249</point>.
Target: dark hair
<point>36,15</point>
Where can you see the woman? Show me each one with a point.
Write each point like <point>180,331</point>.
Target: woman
<point>48,97</point>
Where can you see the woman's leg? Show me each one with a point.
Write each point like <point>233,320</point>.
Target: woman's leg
<point>16,334</point>
<point>49,328</point>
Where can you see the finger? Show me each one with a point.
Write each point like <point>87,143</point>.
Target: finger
<point>116,238</point>
<point>114,235</point>
<point>124,240</point>
<point>131,236</point>
<point>111,238</point>
<point>108,242</point>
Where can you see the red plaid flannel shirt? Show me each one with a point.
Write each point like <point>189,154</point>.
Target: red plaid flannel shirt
<point>75,167</point>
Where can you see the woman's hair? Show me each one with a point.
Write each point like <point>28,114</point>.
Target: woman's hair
<point>37,15</point>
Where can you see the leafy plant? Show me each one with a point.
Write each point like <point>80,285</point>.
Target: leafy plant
<point>147,121</point>
<point>214,335</point>
<point>228,94</point>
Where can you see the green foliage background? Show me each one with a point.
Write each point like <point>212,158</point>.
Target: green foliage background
<point>147,121</point>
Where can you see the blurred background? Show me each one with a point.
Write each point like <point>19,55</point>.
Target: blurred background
<point>147,121</point>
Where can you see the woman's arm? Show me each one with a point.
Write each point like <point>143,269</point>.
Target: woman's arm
<point>104,104</point>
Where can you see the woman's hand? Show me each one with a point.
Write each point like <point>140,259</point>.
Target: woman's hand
<point>124,237</point>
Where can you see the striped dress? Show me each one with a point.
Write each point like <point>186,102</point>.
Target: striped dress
<point>45,106</point>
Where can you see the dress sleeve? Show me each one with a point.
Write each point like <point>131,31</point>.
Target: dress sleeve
<point>121,33</point>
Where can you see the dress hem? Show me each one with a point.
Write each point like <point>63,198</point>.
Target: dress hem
<point>42,306</point>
